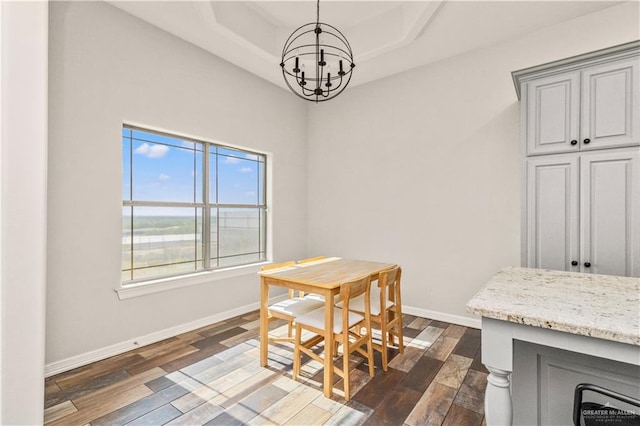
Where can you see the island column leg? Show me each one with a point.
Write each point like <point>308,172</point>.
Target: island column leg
<point>497,400</point>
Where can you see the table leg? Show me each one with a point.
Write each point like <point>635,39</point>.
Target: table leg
<point>497,400</point>
<point>264,322</point>
<point>328,344</point>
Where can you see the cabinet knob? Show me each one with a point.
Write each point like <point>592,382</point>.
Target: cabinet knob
<point>587,264</point>
<point>586,141</point>
<point>574,263</point>
<point>573,142</point>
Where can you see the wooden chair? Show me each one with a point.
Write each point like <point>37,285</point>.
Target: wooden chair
<point>386,311</point>
<point>346,330</point>
<point>302,293</point>
<point>310,259</point>
<point>290,308</point>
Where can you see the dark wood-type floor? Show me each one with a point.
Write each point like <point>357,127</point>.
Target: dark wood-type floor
<point>212,376</point>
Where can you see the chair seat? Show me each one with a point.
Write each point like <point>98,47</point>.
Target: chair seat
<point>296,306</point>
<point>315,319</point>
<point>357,304</point>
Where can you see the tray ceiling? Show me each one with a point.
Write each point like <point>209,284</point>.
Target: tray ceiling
<point>387,37</point>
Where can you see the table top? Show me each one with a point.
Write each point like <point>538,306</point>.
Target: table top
<point>327,273</point>
<point>602,306</point>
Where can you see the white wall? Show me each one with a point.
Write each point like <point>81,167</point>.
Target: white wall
<point>419,168</point>
<point>422,168</point>
<point>107,67</point>
<point>23,151</point>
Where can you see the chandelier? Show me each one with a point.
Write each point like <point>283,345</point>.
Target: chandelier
<point>317,61</point>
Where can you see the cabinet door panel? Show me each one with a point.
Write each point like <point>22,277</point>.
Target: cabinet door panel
<point>610,105</point>
<point>610,213</point>
<point>552,114</point>
<point>552,213</point>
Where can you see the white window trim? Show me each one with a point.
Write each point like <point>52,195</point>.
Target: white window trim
<point>144,288</point>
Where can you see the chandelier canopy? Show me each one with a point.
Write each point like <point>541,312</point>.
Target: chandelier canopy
<point>317,61</point>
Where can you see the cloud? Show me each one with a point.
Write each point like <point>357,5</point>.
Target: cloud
<point>231,160</point>
<point>164,177</point>
<point>253,157</point>
<point>246,170</point>
<point>152,151</point>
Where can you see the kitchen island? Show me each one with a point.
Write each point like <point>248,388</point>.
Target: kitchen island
<point>594,315</point>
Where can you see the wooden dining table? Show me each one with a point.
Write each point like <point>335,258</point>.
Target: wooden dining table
<point>322,277</point>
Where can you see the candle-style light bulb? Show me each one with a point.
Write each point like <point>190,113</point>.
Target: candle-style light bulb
<point>302,82</point>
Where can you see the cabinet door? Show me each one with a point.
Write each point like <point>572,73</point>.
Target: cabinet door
<point>610,213</point>
<point>553,108</point>
<point>552,212</point>
<point>610,115</point>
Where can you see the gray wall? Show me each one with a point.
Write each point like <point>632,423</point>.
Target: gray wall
<point>107,67</point>
<point>422,168</point>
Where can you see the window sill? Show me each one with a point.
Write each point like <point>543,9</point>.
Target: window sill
<point>165,284</point>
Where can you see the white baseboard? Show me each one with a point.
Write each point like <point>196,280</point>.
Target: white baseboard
<point>441,316</point>
<point>58,367</point>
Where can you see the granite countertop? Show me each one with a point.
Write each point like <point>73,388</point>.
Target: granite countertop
<point>602,306</point>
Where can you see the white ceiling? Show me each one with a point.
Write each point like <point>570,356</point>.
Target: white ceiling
<point>387,37</point>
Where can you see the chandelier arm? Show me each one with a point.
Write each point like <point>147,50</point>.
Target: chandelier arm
<point>295,91</point>
<point>339,84</point>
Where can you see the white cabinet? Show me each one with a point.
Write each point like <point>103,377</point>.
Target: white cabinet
<point>580,136</point>
<point>552,216</point>
<point>544,380</point>
<point>553,111</point>
<point>583,212</point>
<point>594,108</point>
<point>610,105</point>
<point>610,213</point>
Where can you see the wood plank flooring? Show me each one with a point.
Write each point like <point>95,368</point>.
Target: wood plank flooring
<point>212,376</point>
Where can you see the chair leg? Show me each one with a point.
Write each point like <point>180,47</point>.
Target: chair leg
<point>383,344</point>
<point>345,365</point>
<point>289,329</point>
<point>390,318</point>
<point>296,353</point>
<point>400,337</point>
<point>400,333</point>
<point>370,353</point>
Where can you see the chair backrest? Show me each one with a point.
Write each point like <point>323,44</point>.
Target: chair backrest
<point>389,285</point>
<point>355,288</point>
<point>311,259</point>
<point>278,265</point>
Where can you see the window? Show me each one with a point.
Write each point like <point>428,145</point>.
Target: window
<point>188,206</point>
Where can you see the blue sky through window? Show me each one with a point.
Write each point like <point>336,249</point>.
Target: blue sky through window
<point>167,169</point>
